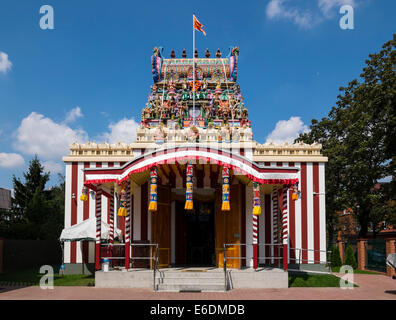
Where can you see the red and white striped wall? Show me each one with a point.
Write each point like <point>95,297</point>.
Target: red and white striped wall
<point>76,211</point>
<point>306,217</point>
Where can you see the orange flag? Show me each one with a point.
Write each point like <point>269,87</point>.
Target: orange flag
<point>198,25</point>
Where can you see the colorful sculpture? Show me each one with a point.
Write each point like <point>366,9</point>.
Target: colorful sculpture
<point>215,92</point>
<point>153,190</point>
<point>189,187</point>
<point>122,211</point>
<point>256,199</point>
<point>84,194</point>
<point>225,206</point>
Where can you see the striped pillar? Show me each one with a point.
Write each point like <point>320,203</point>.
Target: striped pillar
<point>285,231</point>
<point>255,249</point>
<point>128,225</point>
<point>275,223</point>
<point>255,211</point>
<point>111,218</point>
<point>98,202</point>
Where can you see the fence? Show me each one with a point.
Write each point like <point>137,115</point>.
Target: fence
<point>24,254</point>
<point>376,255</point>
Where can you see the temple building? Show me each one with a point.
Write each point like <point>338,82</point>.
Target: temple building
<point>195,189</point>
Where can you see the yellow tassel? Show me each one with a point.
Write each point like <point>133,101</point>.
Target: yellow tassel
<point>188,205</point>
<point>83,197</point>
<point>122,212</point>
<point>256,210</point>
<point>294,196</point>
<point>225,206</point>
<point>153,206</point>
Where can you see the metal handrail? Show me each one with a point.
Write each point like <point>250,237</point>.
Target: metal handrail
<point>114,245</point>
<point>278,257</point>
<point>311,260</point>
<point>155,258</point>
<point>155,265</point>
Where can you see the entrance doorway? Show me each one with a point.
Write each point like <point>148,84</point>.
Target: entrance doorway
<point>195,235</point>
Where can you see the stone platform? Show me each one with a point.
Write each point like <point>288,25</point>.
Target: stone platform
<point>193,279</point>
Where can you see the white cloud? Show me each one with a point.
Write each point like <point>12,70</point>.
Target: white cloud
<point>46,138</point>
<point>73,115</point>
<point>305,18</point>
<point>53,166</point>
<point>121,131</point>
<point>11,160</point>
<point>327,6</point>
<point>276,9</point>
<point>5,64</point>
<point>287,130</point>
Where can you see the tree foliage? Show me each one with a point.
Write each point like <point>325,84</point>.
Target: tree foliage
<point>350,259</point>
<point>36,213</point>
<point>335,257</point>
<point>359,138</point>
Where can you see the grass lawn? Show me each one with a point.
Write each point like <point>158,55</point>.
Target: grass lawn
<point>313,280</point>
<point>357,271</point>
<point>32,277</point>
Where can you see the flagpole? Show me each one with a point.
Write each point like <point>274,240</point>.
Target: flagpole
<point>193,72</point>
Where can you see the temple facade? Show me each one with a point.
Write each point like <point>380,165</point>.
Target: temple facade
<point>195,188</point>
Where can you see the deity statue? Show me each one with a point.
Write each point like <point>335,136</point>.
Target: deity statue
<point>193,134</point>
<point>204,84</point>
<point>245,112</point>
<point>159,133</point>
<point>218,87</point>
<point>172,88</point>
<point>184,85</point>
<point>226,131</point>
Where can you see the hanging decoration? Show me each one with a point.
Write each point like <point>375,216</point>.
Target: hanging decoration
<point>84,194</point>
<point>256,199</point>
<point>225,206</point>
<point>153,189</point>
<point>296,193</point>
<point>122,211</point>
<point>189,187</point>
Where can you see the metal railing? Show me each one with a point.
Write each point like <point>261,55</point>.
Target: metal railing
<point>155,265</point>
<point>301,260</point>
<point>114,245</point>
<point>271,257</point>
<point>154,259</point>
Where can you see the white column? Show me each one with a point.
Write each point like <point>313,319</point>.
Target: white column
<point>249,225</point>
<point>173,232</point>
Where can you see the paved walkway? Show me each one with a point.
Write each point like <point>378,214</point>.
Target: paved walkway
<point>371,287</point>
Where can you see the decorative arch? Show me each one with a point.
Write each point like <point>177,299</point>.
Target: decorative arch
<point>202,155</point>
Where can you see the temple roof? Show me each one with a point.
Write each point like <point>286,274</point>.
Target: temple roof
<point>211,69</point>
<point>203,96</point>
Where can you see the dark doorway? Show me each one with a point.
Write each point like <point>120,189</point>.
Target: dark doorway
<point>195,235</point>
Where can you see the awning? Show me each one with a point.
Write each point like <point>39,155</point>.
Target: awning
<point>86,230</point>
<point>202,155</point>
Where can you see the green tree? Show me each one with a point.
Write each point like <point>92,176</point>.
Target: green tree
<point>358,137</point>
<point>35,181</point>
<point>36,212</point>
<point>335,257</point>
<point>350,259</point>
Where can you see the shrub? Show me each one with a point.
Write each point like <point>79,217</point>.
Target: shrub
<point>335,257</point>
<point>350,259</point>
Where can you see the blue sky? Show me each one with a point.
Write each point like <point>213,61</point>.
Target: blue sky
<point>89,77</point>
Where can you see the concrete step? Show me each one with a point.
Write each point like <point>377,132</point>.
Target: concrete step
<point>203,287</point>
<point>192,281</point>
<point>192,275</point>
